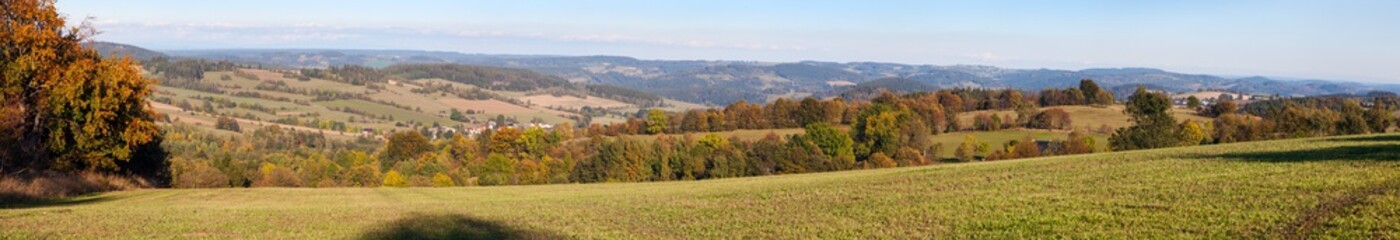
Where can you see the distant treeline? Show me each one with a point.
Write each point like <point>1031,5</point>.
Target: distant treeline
<point>937,110</point>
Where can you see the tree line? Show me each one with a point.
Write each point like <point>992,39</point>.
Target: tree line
<point>938,110</point>
<point>1154,126</point>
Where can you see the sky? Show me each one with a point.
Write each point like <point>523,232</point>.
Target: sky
<point>1335,40</point>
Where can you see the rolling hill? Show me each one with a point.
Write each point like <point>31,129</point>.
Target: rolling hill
<point>722,82</point>
<point>1339,187</point>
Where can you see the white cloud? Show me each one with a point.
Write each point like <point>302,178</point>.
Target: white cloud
<point>272,34</point>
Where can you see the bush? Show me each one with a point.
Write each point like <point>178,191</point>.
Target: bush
<point>199,174</point>
<point>227,123</point>
<point>394,179</point>
<point>1054,118</point>
<point>442,180</point>
<point>907,156</point>
<point>362,176</point>
<point>879,160</point>
<point>276,176</point>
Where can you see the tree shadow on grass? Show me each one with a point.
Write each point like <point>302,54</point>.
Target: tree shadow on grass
<point>1372,138</point>
<point>8,201</point>
<point>1386,152</point>
<point>446,226</point>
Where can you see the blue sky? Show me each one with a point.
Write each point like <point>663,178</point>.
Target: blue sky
<point>1340,40</point>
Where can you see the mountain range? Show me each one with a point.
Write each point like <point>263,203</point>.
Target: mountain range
<point>722,82</point>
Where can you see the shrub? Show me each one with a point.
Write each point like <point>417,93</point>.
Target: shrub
<point>199,174</point>
<point>362,176</point>
<point>879,160</point>
<point>907,156</point>
<point>1054,118</point>
<point>394,179</point>
<point>442,180</point>
<point>967,149</point>
<point>277,176</point>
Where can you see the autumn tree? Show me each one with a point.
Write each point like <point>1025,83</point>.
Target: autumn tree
<point>227,123</point>
<point>62,105</point>
<point>1352,119</point>
<point>1077,143</point>
<point>1379,116</point>
<point>879,160</point>
<point>403,146</point>
<point>394,179</point>
<point>836,144</point>
<point>498,170</point>
<point>1193,134</point>
<point>1025,148</point>
<point>506,141</point>
<point>1193,102</point>
<point>880,128</point>
<point>1054,118</point>
<point>1221,107</point>
<point>442,180</point>
<point>967,150</point>
<point>656,121</point>
<point>1095,94</point>
<point>1153,124</point>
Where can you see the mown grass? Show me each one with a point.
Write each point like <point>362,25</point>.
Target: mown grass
<point>1247,190</point>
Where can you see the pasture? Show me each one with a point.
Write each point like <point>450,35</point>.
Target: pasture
<point>1339,187</point>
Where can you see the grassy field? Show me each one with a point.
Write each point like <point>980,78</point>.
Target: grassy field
<point>1346,187</point>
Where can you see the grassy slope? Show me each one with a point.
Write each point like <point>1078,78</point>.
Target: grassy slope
<point>431,109</point>
<point>1249,190</point>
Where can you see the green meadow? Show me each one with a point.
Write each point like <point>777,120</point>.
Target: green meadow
<point>1340,187</point>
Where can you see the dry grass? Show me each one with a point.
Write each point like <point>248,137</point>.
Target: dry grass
<point>48,185</point>
<point>490,106</point>
<point>572,102</point>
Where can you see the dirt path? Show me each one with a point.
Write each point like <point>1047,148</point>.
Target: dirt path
<point>1310,220</point>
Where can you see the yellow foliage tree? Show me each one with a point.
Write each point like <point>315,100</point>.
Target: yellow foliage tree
<point>442,180</point>
<point>1193,134</point>
<point>394,179</point>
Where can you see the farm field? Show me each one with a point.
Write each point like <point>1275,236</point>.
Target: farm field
<point>1339,187</point>
<point>413,107</point>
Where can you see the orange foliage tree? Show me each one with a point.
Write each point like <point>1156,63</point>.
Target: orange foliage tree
<point>65,107</point>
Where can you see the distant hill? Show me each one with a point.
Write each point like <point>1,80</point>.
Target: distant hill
<point>722,82</point>
<point>873,88</point>
<point>110,49</point>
